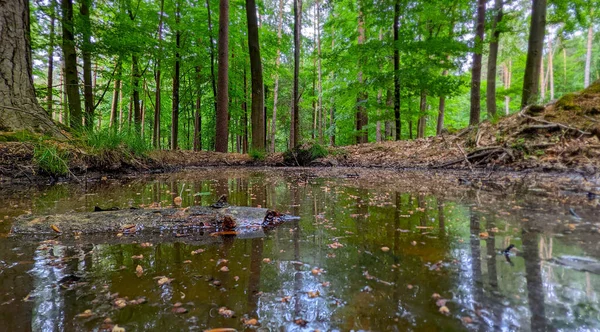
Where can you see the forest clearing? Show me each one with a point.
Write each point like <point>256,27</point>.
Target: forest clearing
<point>299,165</point>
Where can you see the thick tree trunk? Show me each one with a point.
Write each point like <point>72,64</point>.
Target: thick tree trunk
<point>534,53</point>
<point>245,116</point>
<point>115,99</point>
<point>175,106</point>
<point>222,130</point>
<point>320,75</point>
<point>422,123</point>
<point>295,125</point>
<point>551,68</point>
<point>440,119</point>
<point>588,57</point>
<point>70,56</point>
<point>137,111</point>
<point>476,69</point>
<point>157,99</point>
<point>50,75</point>
<point>276,89</point>
<point>397,71</point>
<point>86,50</point>
<point>212,58</point>
<point>378,136</point>
<point>257,115</point>
<point>492,61</point>
<point>19,109</point>
<point>361,111</point>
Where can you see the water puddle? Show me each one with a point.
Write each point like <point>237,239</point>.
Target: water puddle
<point>366,254</point>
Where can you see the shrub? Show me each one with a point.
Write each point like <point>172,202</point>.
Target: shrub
<point>304,155</point>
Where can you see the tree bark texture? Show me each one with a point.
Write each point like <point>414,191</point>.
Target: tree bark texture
<point>276,88</point>
<point>222,130</point>
<point>295,125</point>
<point>397,71</point>
<point>476,69</point>
<point>493,60</point>
<point>114,116</point>
<point>19,109</point>
<point>86,51</point>
<point>157,98</point>
<point>362,119</point>
<point>588,57</point>
<point>176,74</point>
<point>537,31</point>
<point>50,75</point>
<point>257,108</point>
<point>70,58</point>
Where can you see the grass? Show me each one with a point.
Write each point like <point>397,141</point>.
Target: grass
<point>107,140</point>
<point>50,159</point>
<point>257,155</point>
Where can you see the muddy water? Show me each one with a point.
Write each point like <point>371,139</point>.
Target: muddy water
<point>362,257</point>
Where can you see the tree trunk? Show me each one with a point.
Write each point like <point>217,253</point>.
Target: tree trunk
<point>257,115</point>
<point>320,74</point>
<point>492,61</point>
<point>507,76</point>
<point>115,99</point>
<point>70,56</point>
<point>534,53</point>
<point>294,128</point>
<point>50,60</point>
<point>212,57</point>
<point>441,111</point>
<point>157,99</point>
<point>222,130</point>
<point>551,68</point>
<point>86,50</point>
<point>542,81</point>
<point>276,89</point>
<point>175,106</point>
<point>245,116</point>
<point>361,112</point>
<point>564,53</point>
<point>397,71</point>
<point>588,57</point>
<point>476,69</point>
<point>422,124</point>
<point>378,136</point>
<point>198,116</point>
<point>19,108</point>
<point>134,103</point>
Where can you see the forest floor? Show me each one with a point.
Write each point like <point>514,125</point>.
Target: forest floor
<point>563,136</point>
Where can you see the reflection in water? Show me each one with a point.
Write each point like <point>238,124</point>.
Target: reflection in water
<point>361,257</point>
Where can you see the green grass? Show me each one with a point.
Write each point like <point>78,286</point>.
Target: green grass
<point>112,140</point>
<point>50,159</point>
<point>257,155</point>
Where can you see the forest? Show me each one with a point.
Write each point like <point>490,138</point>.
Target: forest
<point>269,75</point>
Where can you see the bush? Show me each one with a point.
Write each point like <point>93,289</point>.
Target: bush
<point>304,155</point>
<point>108,140</point>
<point>51,160</point>
<point>257,155</point>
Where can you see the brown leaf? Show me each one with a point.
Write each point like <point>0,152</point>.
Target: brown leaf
<point>139,271</point>
<point>55,228</point>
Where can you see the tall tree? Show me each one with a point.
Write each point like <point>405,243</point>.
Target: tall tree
<point>476,69</point>
<point>295,127</point>
<point>222,130</point>
<point>198,115</point>
<point>537,31</point>
<point>114,117</point>
<point>397,71</point>
<point>588,55</point>
<point>361,111</point>
<point>276,88</point>
<point>70,59</point>
<point>320,74</point>
<point>212,56</point>
<point>86,50</point>
<point>135,77</point>
<point>175,100</point>
<point>19,108</point>
<point>50,75</point>
<point>493,59</point>
<point>257,115</point>
<point>157,99</point>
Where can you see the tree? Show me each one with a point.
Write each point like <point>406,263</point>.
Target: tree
<point>397,71</point>
<point>588,54</point>
<point>70,58</point>
<point>257,113</point>
<point>476,69</point>
<point>157,99</point>
<point>19,108</point>
<point>49,88</point>
<point>88,92</point>
<point>537,31</point>
<point>175,108</point>
<point>276,89</point>
<point>295,121</point>
<point>493,59</point>
<point>222,132</point>
<point>362,119</point>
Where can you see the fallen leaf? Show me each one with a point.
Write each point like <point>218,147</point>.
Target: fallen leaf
<point>236,278</point>
<point>436,296</point>
<point>117,328</point>
<point>444,310</point>
<point>164,280</point>
<point>414,243</point>
<point>177,200</point>
<point>139,271</point>
<point>146,245</point>
<point>137,257</point>
<point>250,322</point>
<point>313,294</point>
<point>484,235</point>
<point>224,269</point>
<point>266,260</point>
<point>86,314</point>
<point>199,251</point>
<point>179,310</point>
<point>385,249</point>
<point>187,261</point>
<point>467,320</point>
<point>223,311</point>
<point>55,228</point>
<point>120,303</point>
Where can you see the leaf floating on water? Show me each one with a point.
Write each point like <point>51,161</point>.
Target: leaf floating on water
<point>250,321</point>
<point>409,286</point>
<point>221,329</point>
<point>199,251</point>
<point>146,245</point>
<point>317,271</point>
<point>414,243</point>
<point>441,302</point>
<point>266,260</point>
<point>236,278</point>
<point>326,284</point>
<point>286,299</point>
<point>164,280</point>
<point>300,322</point>
<point>120,303</point>
<point>86,314</point>
<point>223,311</point>
<point>313,294</point>
<point>484,235</point>
<point>139,271</point>
<point>467,320</point>
<point>436,296</point>
<point>187,261</point>
<point>385,249</point>
<point>55,228</point>
<point>179,310</point>
<point>117,328</point>
<point>335,245</point>
<point>224,269</point>
<point>444,310</point>
<point>137,257</point>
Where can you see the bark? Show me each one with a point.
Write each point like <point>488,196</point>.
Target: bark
<point>257,112</point>
<point>542,81</point>
<point>397,71</point>
<point>492,61</point>
<point>135,76</point>
<point>422,123</point>
<point>212,57</point>
<point>534,53</point>
<point>361,112</point>
<point>476,69</point>
<point>507,77</point>
<point>378,137</point>
<point>245,116</point>
<point>320,75</point>
<point>564,53</point>
<point>588,57</point>
<point>157,99</point>
<point>551,68</point>
<point>19,108</point>
<point>50,75</point>
<point>294,128</point>
<point>198,115</point>
<point>86,50</point>
<point>441,111</point>
<point>222,130</point>
<point>70,56</point>
<point>276,89</point>
<point>175,106</point>
<point>115,99</point>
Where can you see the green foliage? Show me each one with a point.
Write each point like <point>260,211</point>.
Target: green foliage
<point>257,155</point>
<point>50,159</point>
<point>304,155</point>
<point>107,140</point>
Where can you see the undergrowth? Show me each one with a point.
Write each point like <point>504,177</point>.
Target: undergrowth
<point>109,140</point>
<point>304,155</point>
<point>50,159</point>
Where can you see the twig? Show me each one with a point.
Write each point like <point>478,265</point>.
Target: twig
<point>522,114</point>
<point>464,155</point>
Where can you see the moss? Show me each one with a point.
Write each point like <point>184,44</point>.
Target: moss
<point>567,102</point>
<point>594,88</point>
<point>19,136</point>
